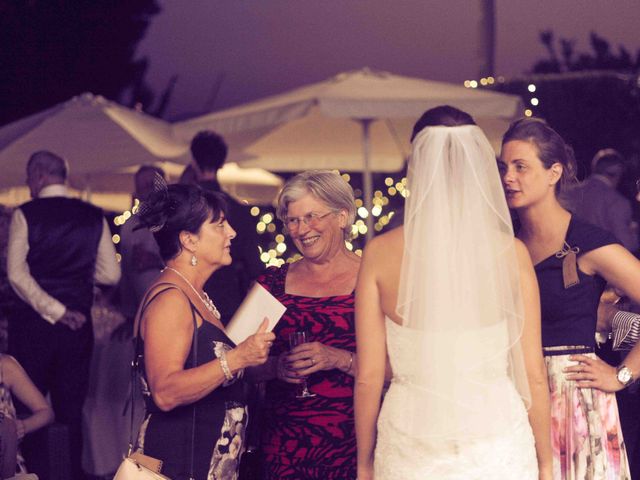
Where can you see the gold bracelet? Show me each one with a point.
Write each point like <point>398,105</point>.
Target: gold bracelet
<point>225,365</point>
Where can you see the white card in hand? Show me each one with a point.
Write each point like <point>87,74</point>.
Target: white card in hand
<point>258,303</point>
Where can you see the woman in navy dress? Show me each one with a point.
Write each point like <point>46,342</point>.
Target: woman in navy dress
<point>573,261</point>
<point>194,236</point>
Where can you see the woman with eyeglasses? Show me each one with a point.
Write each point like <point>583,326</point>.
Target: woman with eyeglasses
<point>312,436</point>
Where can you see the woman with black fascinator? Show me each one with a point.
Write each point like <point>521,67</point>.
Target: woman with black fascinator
<point>196,411</point>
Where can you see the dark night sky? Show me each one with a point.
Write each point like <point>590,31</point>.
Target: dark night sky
<point>262,47</point>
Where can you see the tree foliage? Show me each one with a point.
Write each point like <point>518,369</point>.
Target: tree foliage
<point>51,50</point>
<point>600,58</point>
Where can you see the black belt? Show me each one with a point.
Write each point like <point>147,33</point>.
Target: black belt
<point>569,350</point>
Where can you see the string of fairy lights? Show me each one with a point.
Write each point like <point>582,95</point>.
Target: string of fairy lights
<point>276,251</point>
<point>533,100</point>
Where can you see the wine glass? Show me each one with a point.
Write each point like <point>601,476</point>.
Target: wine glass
<point>295,339</point>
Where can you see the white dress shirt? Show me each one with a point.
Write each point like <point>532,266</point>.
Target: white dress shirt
<point>107,268</point>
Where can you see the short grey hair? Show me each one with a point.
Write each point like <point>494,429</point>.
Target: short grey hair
<point>48,163</point>
<point>327,186</point>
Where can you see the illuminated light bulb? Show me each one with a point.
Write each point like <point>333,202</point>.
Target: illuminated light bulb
<point>279,238</point>
<point>126,215</point>
<point>376,210</point>
<point>531,87</point>
<point>358,252</point>
<point>467,84</point>
<point>261,227</point>
<point>265,257</point>
<point>534,101</point>
<point>473,84</point>
<point>491,80</point>
<point>255,211</point>
<point>388,181</point>
<point>362,212</point>
<point>392,191</point>
<point>118,257</point>
<point>346,177</point>
<point>349,246</point>
<point>281,247</point>
<point>358,202</point>
<point>272,253</point>
<point>483,82</point>
<point>271,228</point>
<point>115,238</point>
<point>267,218</point>
<point>528,113</point>
<point>362,229</point>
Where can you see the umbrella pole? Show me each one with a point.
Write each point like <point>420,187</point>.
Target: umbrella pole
<point>367,177</point>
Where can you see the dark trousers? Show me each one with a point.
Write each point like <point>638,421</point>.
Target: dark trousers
<point>57,359</point>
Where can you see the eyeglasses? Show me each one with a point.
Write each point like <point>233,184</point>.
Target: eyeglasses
<point>310,220</point>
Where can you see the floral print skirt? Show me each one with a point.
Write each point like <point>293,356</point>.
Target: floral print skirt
<point>585,429</point>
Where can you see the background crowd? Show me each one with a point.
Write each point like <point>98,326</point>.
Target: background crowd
<point>276,406</point>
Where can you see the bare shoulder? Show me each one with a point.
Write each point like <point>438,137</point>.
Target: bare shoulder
<point>522,252</point>
<point>11,369</point>
<point>383,256</point>
<point>385,242</point>
<point>166,308</point>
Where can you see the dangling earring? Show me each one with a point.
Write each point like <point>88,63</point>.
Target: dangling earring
<point>194,260</point>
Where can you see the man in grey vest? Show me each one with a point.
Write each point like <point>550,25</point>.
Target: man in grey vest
<point>59,248</point>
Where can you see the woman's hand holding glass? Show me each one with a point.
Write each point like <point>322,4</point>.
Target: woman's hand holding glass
<point>307,358</point>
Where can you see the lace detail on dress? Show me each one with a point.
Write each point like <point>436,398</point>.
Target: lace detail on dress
<point>507,453</point>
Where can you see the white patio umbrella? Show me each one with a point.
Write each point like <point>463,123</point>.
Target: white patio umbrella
<point>356,121</point>
<point>91,133</point>
<point>112,190</point>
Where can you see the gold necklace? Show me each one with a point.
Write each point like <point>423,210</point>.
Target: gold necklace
<point>206,300</point>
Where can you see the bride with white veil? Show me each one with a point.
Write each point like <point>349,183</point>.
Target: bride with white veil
<point>448,305</point>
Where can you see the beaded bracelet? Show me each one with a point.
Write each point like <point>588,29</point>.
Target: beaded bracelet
<point>225,365</point>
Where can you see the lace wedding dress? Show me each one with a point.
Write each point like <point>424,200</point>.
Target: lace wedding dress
<point>406,448</point>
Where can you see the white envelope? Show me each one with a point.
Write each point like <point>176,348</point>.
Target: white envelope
<point>258,303</point>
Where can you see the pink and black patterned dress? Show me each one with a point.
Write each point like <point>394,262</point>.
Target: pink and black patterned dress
<point>310,438</point>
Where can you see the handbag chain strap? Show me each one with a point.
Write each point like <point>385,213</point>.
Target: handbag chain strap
<point>135,363</point>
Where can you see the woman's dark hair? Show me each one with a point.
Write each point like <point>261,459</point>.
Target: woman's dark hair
<point>442,116</point>
<point>549,144</point>
<point>172,209</point>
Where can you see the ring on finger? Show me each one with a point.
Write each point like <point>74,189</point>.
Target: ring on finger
<point>312,362</point>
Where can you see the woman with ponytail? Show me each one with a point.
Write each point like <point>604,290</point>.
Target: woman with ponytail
<point>573,261</point>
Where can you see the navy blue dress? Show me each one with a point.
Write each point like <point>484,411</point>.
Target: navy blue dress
<point>220,424</point>
<point>569,315</point>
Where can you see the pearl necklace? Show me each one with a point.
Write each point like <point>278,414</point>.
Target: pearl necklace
<point>206,300</point>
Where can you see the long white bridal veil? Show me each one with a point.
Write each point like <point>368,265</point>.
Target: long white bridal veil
<point>460,290</point>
